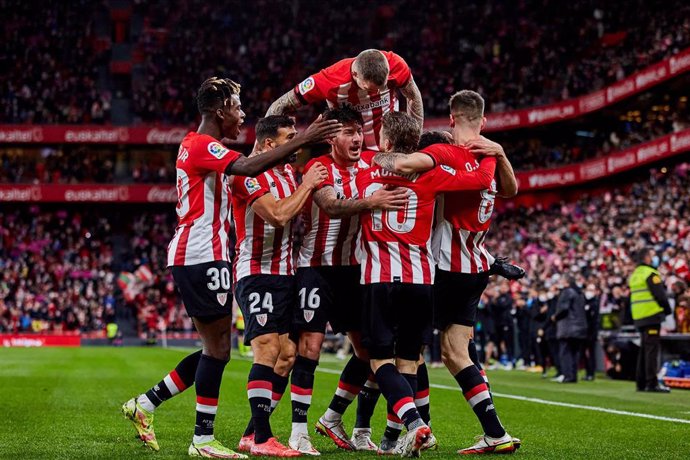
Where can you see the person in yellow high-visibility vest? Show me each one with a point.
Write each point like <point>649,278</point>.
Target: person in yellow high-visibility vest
<point>649,306</point>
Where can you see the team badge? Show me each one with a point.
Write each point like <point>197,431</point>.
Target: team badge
<point>217,150</point>
<point>261,319</point>
<point>307,85</point>
<point>308,315</point>
<point>222,298</point>
<point>252,185</point>
<point>448,169</point>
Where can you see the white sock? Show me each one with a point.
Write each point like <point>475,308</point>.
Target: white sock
<point>298,429</point>
<point>203,439</point>
<point>146,403</point>
<point>332,416</point>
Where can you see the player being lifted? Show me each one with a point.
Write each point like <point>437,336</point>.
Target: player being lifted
<point>398,270</point>
<point>464,264</point>
<point>263,209</point>
<point>368,82</point>
<point>199,256</point>
<point>327,278</point>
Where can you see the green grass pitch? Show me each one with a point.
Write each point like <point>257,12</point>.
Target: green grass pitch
<point>64,403</point>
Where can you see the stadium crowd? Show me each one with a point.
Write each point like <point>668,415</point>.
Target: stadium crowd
<point>592,240</point>
<point>58,269</point>
<point>52,78</point>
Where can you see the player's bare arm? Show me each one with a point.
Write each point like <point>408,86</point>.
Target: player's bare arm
<point>505,176</point>
<point>327,200</point>
<point>287,103</point>
<point>404,163</point>
<point>279,212</point>
<point>415,106</point>
<point>318,131</point>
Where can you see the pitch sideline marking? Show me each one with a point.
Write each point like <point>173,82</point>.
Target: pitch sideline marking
<point>536,400</point>
<point>551,403</point>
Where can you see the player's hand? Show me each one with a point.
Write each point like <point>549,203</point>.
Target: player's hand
<point>389,199</point>
<point>315,176</point>
<point>321,130</point>
<point>484,147</point>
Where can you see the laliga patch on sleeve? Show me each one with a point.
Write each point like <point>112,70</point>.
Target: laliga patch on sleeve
<point>448,169</point>
<point>217,150</point>
<point>307,85</point>
<point>252,185</point>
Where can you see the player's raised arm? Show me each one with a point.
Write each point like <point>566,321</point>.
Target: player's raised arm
<point>404,163</point>
<point>318,131</point>
<point>505,176</point>
<point>335,208</point>
<point>279,212</point>
<point>287,103</point>
<point>415,106</point>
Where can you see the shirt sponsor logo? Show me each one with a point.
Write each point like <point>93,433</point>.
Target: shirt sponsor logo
<point>217,150</point>
<point>252,185</point>
<point>307,85</point>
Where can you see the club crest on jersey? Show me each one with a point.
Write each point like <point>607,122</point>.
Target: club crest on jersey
<point>252,185</point>
<point>308,315</point>
<point>261,319</point>
<point>217,150</point>
<point>307,85</point>
<point>222,297</point>
<point>448,169</point>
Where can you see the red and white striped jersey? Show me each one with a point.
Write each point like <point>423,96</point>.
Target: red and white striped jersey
<point>463,218</point>
<point>335,85</point>
<point>397,245</point>
<point>327,241</point>
<point>203,201</point>
<point>261,248</point>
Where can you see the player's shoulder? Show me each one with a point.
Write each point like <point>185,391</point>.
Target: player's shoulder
<point>366,159</point>
<point>199,144</point>
<point>340,71</point>
<point>325,160</point>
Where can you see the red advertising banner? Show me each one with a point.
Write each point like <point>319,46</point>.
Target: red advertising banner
<point>624,160</point>
<point>39,340</point>
<point>91,134</point>
<point>502,121</point>
<point>94,193</point>
<point>572,108</point>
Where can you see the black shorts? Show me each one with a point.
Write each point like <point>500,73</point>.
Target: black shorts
<point>456,298</point>
<point>267,303</point>
<point>396,316</point>
<point>205,289</point>
<point>328,295</point>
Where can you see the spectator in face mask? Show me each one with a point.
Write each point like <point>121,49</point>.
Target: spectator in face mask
<point>592,301</point>
<point>571,329</point>
<point>550,332</point>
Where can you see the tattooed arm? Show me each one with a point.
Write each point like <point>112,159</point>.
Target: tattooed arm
<point>286,103</point>
<point>326,199</point>
<point>404,163</point>
<point>415,106</point>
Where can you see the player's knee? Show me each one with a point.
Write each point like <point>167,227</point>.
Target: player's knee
<point>310,346</point>
<point>286,359</point>
<point>219,350</point>
<point>266,349</point>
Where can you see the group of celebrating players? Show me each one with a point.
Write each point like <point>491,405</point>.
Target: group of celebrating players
<point>371,263</point>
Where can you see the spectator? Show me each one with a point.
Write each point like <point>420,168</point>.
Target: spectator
<point>571,328</point>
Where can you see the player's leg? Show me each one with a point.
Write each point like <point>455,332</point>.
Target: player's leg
<point>344,315</point>
<point>265,301</point>
<point>140,409</point>
<point>366,405</point>
<point>301,389</point>
<point>215,337</point>
<point>456,321</point>
<point>286,358</point>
